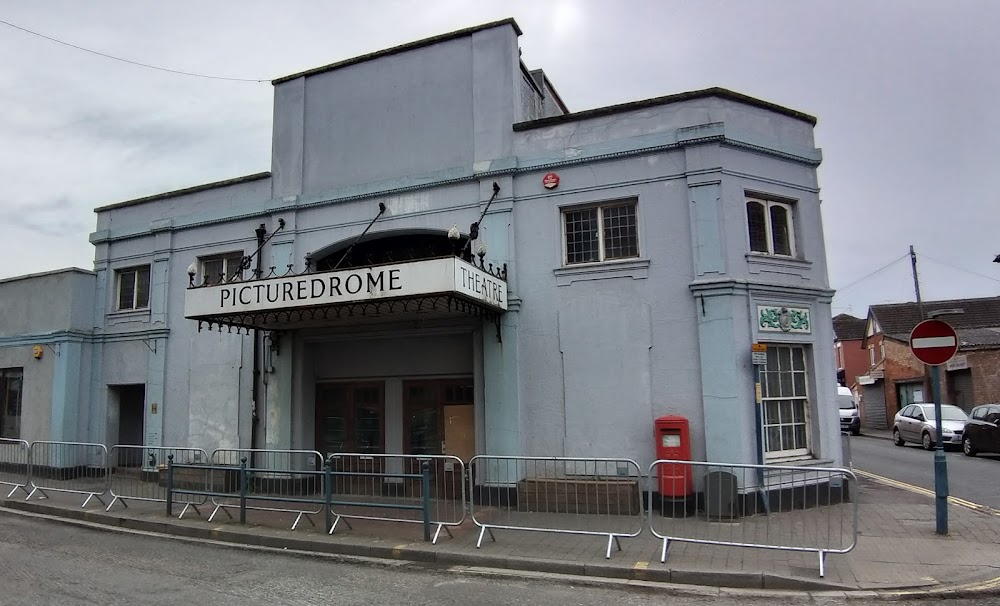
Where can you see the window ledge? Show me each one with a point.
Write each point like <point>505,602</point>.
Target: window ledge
<point>800,461</point>
<point>637,269</point>
<point>760,262</point>
<point>128,315</point>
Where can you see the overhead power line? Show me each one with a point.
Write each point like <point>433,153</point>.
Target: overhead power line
<point>129,61</point>
<point>865,277</point>
<point>953,266</point>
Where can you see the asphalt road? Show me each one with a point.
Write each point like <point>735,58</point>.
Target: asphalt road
<point>975,479</point>
<point>45,562</point>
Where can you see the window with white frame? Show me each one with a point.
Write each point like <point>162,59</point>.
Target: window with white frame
<point>11,381</point>
<point>881,350</point>
<point>784,393</point>
<point>133,288</point>
<point>222,268</point>
<point>871,355</point>
<point>770,227</point>
<point>601,233</point>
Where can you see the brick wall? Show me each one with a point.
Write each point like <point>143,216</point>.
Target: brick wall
<point>899,365</point>
<point>985,366</point>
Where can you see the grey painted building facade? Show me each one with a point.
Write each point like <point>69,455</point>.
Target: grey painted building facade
<point>682,230</point>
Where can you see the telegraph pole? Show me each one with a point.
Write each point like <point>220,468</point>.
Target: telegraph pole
<point>927,383</point>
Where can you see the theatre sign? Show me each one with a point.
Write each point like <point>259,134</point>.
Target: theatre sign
<point>444,276</point>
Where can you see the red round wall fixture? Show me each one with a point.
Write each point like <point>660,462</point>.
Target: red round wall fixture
<point>550,181</point>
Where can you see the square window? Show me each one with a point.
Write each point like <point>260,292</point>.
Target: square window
<point>133,288</point>
<point>601,233</point>
<point>770,227</point>
<point>217,269</point>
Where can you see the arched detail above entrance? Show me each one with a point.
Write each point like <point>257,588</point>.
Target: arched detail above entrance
<point>392,246</point>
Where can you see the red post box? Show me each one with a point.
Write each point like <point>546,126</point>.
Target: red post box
<point>673,442</point>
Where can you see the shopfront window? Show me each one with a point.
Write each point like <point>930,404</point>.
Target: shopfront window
<point>11,382</point>
<point>784,388</point>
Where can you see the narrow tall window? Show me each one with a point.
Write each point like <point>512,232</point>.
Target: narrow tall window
<point>133,288</point>
<point>11,382</point>
<point>601,233</point>
<point>784,392</point>
<point>770,228</point>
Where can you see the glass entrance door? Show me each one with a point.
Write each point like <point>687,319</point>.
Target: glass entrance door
<point>350,417</point>
<point>435,415</point>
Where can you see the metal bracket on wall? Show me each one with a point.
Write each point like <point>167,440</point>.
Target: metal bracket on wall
<point>54,350</point>
<point>496,321</point>
<point>146,342</point>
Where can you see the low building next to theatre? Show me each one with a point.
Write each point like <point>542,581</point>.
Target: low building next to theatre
<point>447,257</point>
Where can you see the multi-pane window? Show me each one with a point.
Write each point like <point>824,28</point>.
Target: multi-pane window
<point>222,268</point>
<point>601,233</point>
<point>11,381</point>
<point>133,288</point>
<point>770,226</point>
<point>784,385</point>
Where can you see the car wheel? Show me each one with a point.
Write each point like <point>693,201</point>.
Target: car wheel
<point>856,432</point>
<point>967,447</point>
<point>926,441</point>
<point>897,439</point>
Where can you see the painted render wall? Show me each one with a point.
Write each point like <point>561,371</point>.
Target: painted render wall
<point>673,327</point>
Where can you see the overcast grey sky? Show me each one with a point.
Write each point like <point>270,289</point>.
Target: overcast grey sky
<point>905,91</point>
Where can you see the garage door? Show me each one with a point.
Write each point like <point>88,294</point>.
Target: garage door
<point>873,406</point>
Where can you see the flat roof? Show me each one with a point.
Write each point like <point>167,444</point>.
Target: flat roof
<point>402,48</point>
<point>187,190</point>
<point>67,270</point>
<point>722,93</point>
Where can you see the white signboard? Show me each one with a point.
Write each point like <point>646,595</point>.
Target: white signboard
<point>957,363</point>
<point>433,276</point>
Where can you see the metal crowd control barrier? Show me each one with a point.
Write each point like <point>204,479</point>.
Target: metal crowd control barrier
<point>139,473</point>
<point>14,465</point>
<point>792,508</point>
<point>845,443</point>
<point>276,479</point>
<point>393,488</point>
<point>586,496</point>
<point>71,467</point>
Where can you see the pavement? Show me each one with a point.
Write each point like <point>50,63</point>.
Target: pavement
<point>898,555</point>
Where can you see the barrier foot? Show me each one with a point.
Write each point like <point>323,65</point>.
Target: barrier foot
<point>15,489</point>
<point>183,511</point>
<point>217,508</point>
<point>479,543</point>
<point>663,554</point>
<point>299,517</point>
<point>89,497</point>
<point>822,564</point>
<point>334,525</point>
<point>33,491</point>
<point>113,501</point>
<point>437,533</point>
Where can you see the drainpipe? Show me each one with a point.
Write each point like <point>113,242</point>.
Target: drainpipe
<point>257,355</point>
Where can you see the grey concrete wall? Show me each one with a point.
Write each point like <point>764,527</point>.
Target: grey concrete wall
<point>46,302</point>
<point>36,398</point>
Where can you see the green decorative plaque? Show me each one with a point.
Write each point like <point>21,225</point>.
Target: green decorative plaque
<point>783,319</point>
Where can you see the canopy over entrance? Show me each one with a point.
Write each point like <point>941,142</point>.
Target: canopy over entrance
<point>427,288</point>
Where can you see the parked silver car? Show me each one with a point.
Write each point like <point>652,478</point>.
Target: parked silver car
<point>916,423</point>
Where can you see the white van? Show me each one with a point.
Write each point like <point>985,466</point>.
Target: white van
<point>850,416</point>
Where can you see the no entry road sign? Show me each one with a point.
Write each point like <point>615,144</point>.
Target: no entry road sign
<point>933,342</point>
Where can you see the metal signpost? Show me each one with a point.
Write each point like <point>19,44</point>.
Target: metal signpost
<point>934,342</point>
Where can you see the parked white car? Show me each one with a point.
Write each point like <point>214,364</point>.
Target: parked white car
<point>916,423</point>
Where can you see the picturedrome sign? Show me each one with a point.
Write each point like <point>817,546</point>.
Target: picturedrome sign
<point>398,281</point>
